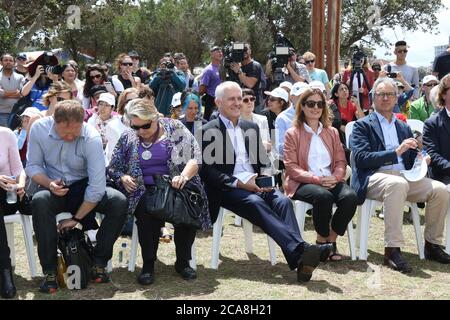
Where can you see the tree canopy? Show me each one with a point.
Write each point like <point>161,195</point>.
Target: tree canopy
<point>152,27</point>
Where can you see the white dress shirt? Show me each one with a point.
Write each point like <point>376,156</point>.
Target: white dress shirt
<point>319,160</point>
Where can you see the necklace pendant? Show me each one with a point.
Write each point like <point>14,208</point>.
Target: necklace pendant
<point>146,155</point>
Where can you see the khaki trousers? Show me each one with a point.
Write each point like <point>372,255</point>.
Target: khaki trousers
<point>393,190</point>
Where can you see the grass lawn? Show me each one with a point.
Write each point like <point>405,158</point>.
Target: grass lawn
<point>251,277</point>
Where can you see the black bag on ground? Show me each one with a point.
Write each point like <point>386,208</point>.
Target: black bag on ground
<point>179,207</point>
<point>77,251</point>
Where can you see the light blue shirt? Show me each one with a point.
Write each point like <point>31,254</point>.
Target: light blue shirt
<point>390,140</point>
<point>72,161</point>
<point>282,123</point>
<point>319,75</point>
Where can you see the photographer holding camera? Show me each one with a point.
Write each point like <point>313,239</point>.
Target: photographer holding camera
<point>166,82</point>
<point>296,72</point>
<point>43,71</point>
<point>248,74</point>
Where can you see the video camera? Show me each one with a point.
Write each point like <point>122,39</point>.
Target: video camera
<point>358,59</point>
<point>279,57</point>
<point>166,73</point>
<point>233,52</point>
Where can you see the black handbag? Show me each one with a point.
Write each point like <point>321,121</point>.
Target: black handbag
<point>179,207</point>
<point>18,108</point>
<point>77,252</point>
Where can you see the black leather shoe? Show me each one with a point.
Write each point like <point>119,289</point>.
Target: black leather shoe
<point>99,275</point>
<point>309,261</point>
<point>393,259</point>
<point>7,288</point>
<point>146,278</point>
<point>435,252</point>
<point>188,273</point>
<point>325,251</point>
<point>49,284</point>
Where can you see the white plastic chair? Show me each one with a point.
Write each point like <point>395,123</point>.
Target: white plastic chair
<point>447,238</point>
<point>27,229</point>
<point>348,132</point>
<point>416,125</point>
<point>248,230</point>
<point>300,214</point>
<point>367,210</point>
<point>134,246</point>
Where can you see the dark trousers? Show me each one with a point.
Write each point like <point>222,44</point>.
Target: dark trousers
<point>210,105</point>
<point>274,214</point>
<point>7,209</point>
<point>46,206</point>
<point>322,201</point>
<point>149,232</point>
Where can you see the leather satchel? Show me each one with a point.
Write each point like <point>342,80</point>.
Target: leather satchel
<point>179,207</point>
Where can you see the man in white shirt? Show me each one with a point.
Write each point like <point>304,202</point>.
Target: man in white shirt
<point>233,155</point>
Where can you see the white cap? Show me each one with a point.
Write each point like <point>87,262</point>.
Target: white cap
<point>298,88</point>
<point>108,98</point>
<point>30,111</point>
<point>176,100</point>
<point>429,78</point>
<point>286,84</point>
<point>278,93</point>
<point>418,172</point>
<point>317,85</point>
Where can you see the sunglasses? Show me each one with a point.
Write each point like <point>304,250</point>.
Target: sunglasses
<point>402,51</point>
<point>430,84</point>
<point>59,99</point>
<point>309,61</point>
<point>128,64</point>
<point>311,104</point>
<point>246,100</point>
<point>135,58</point>
<point>274,99</point>
<point>97,76</point>
<point>376,69</point>
<point>145,126</point>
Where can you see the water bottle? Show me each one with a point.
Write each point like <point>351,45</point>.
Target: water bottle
<point>11,194</point>
<point>61,271</point>
<point>122,262</point>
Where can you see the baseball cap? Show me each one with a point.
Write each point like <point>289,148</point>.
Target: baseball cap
<point>30,111</point>
<point>176,100</point>
<point>22,56</point>
<point>215,48</point>
<point>108,98</point>
<point>317,85</point>
<point>298,88</point>
<point>133,54</point>
<point>278,93</point>
<point>417,172</point>
<point>286,84</point>
<point>429,78</point>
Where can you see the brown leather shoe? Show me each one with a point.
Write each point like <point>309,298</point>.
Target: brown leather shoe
<point>436,253</point>
<point>393,259</point>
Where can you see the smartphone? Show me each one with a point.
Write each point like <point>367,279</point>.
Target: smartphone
<point>265,182</point>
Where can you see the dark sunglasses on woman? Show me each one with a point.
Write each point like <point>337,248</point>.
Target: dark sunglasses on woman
<point>145,126</point>
<point>311,104</point>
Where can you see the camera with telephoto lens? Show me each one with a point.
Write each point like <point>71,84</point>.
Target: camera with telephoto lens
<point>166,73</point>
<point>279,57</point>
<point>233,52</point>
<point>49,65</point>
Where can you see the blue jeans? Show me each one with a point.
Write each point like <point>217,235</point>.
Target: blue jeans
<point>4,119</point>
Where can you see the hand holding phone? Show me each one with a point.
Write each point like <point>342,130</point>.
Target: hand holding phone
<point>265,182</point>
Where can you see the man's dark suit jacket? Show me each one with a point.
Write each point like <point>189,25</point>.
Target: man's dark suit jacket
<point>436,141</point>
<point>217,173</point>
<point>369,151</point>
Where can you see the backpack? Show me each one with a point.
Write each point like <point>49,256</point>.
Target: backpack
<point>77,252</point>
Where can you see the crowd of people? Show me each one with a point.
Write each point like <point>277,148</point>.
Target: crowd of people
<point>102,144</point>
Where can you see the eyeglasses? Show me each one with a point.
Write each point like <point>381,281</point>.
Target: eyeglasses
<point>59,99</point>
<point>246,100</point>
<point>309,61</point>
<point>430,84</point>
<point>128,64</point>
<point>145,126</point>
<point>311,104</point>
<point>402,51</point>
<point>385,94</point>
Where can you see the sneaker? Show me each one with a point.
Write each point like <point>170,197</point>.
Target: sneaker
<point>49,284</point>
<point>99,275</point>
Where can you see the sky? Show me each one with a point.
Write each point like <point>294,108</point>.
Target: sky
<point>421,44</point>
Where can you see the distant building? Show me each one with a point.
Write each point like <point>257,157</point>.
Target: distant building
<point>440,49</point>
